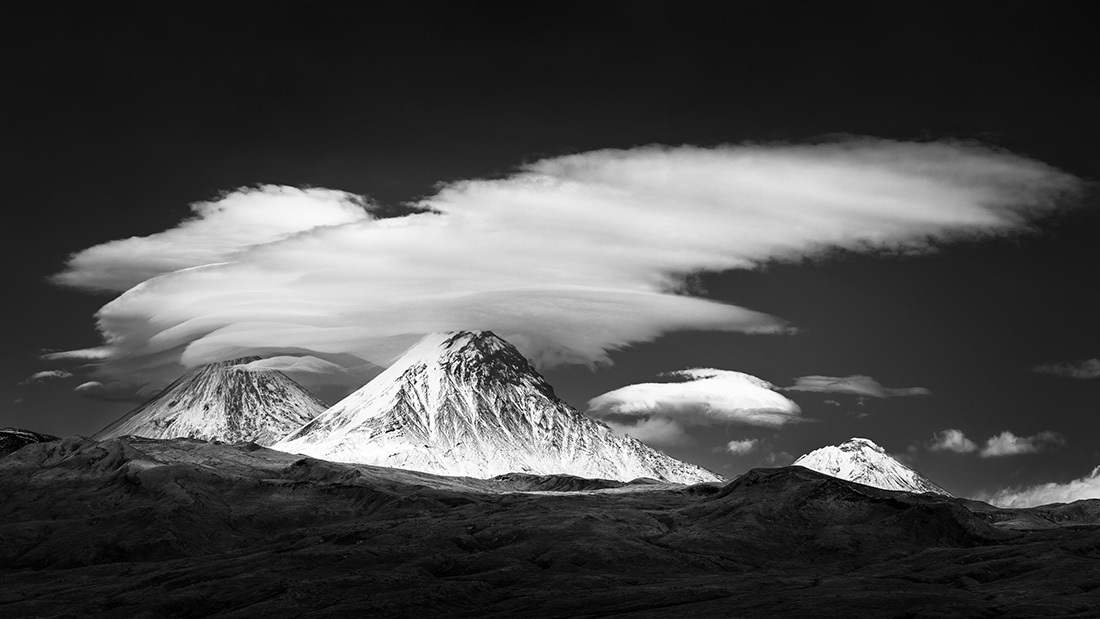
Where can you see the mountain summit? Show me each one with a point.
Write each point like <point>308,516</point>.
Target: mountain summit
<point>222,402</point>
<point>469,404</point>
<point>862,461</point>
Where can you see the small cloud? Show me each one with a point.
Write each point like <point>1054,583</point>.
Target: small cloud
<point>1087,487</point>
<point>39,377</point>
<point>952,440</point>
<point>781,458</point>
<point>1008,444</point>
<point>654,431</point>
<point>858,385</point>
<point>1089,368</point>
<point>832,403</point>
<point>95,390</point>
<point>742,447</point>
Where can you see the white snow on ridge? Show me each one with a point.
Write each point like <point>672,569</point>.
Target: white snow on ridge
<point>862,461</point>
<point>464,403</point>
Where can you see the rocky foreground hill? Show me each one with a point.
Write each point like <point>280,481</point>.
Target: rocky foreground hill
<point>182,528</point>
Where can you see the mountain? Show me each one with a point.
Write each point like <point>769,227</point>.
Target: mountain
<point>12,439</point>
<point>222,402</point>
<point>144,528</point>
<point>862,461</point>
<point>469,404</point>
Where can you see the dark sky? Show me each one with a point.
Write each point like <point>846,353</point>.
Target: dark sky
<point>119,116</point>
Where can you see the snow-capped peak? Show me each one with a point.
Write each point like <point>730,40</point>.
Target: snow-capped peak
<point>468,403</point>
<point>223,402</point>
<point>862,461</point>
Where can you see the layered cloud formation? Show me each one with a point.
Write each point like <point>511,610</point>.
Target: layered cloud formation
<point>1087,487</point>
<point>853,385</point>
<point>568,258</point>
<point>704,397</point>
<point>218,230</point>
<point>658,412</point>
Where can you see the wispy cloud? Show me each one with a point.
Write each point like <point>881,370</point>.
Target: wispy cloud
<point>569,258</point>
<point>45,375</point>
<point>952,440</point>
<point>95,390</point>
<point>1087,487</point>
<point>1089,368</point>
<point>98,353</point>
<point>854,385</point>
<point>285,363</point>
<point>1008,444</point>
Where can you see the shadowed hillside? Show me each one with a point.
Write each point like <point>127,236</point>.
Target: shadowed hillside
<point>183,528</point>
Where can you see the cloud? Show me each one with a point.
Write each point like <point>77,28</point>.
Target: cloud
<point>952,440</point>
<point>289,364</point>
<point>658,412</point>
<point>707,397</point>
<point>853,385</point>
<point>742,447</point>
<point>1089,368</point>
<point>95,390</point>
<point>98,353</point>
<point>1087,487</point>
<point>39,377</point>
<point>235,221</point>
<point>569,257</point>
<point>654,431</point>
<point>344,371</point>
<point>1008,444</point>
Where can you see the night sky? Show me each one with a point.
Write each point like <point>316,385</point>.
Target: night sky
<point>119,117</point>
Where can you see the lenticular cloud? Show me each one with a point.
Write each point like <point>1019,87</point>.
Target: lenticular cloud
<point>569,258</point>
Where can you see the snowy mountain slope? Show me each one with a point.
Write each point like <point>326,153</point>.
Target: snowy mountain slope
<point>224,403</point>
<point>464,403</point>
<point>862,461</point>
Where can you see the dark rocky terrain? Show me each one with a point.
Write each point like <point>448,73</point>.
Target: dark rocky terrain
<point>14,439</point>
<point>182,528</point>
